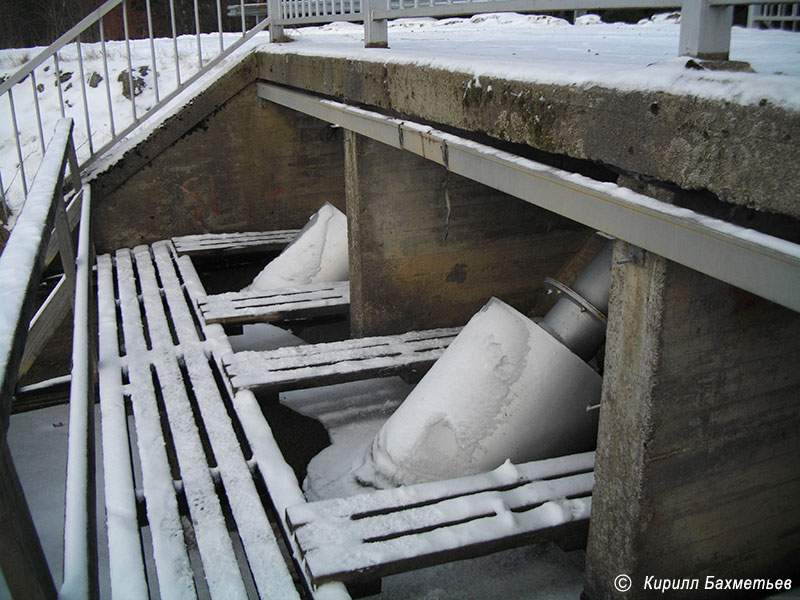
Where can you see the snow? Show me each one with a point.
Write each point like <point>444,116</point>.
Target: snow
<point>318,254</point>
<point>528,48</point>
<point>503,389</point>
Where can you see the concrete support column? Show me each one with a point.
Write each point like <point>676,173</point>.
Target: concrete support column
<point>276,33</point>
<point>698,446</point>
<point>376,31</point>
<point>705,30</point>
<point>429,248</point>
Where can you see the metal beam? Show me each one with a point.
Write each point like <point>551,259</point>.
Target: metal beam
<point>762,264</point>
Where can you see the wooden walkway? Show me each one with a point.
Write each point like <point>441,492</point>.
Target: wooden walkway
<point>297,367</point>
<point>253,242</point>
<point>186,449</point>
<point>300,302</point>
<point>365,537</point>
<point>181,450</point>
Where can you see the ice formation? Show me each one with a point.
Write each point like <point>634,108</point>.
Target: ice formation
<point>504,389</point>
<point>318,254</point>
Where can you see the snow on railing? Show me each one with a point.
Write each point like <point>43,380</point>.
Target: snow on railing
<point>155,71</point>
<point>43,230</point>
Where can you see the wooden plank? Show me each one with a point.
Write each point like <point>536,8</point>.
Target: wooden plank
<point>234,243</point>
<point>267,565</point>
<point>210,531</point>
<point>337,362</point>
<point>172,561</point>
<point>505,476</point>
<point>373,535</point>
<point>126,564</point>
<point>299,302</point>
<point>50,315</point>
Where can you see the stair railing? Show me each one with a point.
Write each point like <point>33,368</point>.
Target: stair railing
<point>43,232</point>
<point>93,140</point>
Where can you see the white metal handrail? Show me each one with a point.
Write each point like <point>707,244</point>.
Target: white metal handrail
<point>779,15</point>
<point>99,139</point>
<point>43,219</point>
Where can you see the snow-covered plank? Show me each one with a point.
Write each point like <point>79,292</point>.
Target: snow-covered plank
<point>234,243</point>
<point>337,362</point>
<point>174,571</point>
<point>267,565</point>
<point>125,558</point>
<point>505,476</point>
<point>213,541</point>
<point>304,301</point>
<point>279,478</point>
<point>372,535</point>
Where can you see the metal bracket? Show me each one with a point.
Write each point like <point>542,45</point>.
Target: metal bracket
<point>561,290</point>
<point>633,255</point>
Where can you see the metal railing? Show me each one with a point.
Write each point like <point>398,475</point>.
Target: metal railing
<point>705,24</point>
<point>165,72</point>
<point>785,15</point>
<point>43,231</point>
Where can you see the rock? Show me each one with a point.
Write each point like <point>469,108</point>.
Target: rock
<point>94,79</point>
<point>138,82</point>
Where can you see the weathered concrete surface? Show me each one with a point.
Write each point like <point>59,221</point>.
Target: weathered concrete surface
<point>236,165</point>
<point>746,155</point>
<point>698,452</point>
<point>412,268</point>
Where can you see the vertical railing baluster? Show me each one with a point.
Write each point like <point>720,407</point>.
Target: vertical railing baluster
<point>19,144</point>
<point>219,28</point>
<point>152,48</point>
<point>244,25</point>
<point>4,208</point>
<point>108,82</point>
<point>128,50</point>
<point>175,42</point>
<point>197,30</point>
<point>58,85</point>
<point>38,111</point>
<point>83,94</point>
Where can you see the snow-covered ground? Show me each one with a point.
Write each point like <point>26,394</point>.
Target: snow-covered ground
<point>528,48</point>
<point>523,47</point>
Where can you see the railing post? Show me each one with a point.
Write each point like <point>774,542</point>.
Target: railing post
<point>275,25</point>
<point>376,31</point>
<point>705,30</point>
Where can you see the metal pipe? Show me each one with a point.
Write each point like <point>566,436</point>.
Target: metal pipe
<point>219,28</point>
<point>175,42</point>
<point>108,82</point>
<point>197,30</point>
<point>152,47</point>
<point>58,82</point>
<point>244,24</point>
<point>578,319</point>
<point>83,94</point>
<point>38,111</point>
<point>19,145</point>
<point>128,50</point>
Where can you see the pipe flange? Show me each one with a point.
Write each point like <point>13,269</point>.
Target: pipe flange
<point>561,290</point>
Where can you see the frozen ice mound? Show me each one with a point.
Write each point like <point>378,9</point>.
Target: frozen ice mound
<point>317,255</point>
<point>504,389</point>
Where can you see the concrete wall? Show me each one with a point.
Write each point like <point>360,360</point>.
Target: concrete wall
<point>246,166</point>
<point>732,150</point>
<point>412,268</point>
<point>698,448</point>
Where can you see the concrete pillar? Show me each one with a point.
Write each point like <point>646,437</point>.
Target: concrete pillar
<point>429,248</point>
<point>376,31</point>
<point>698,446</point>
<point>705,30</point>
